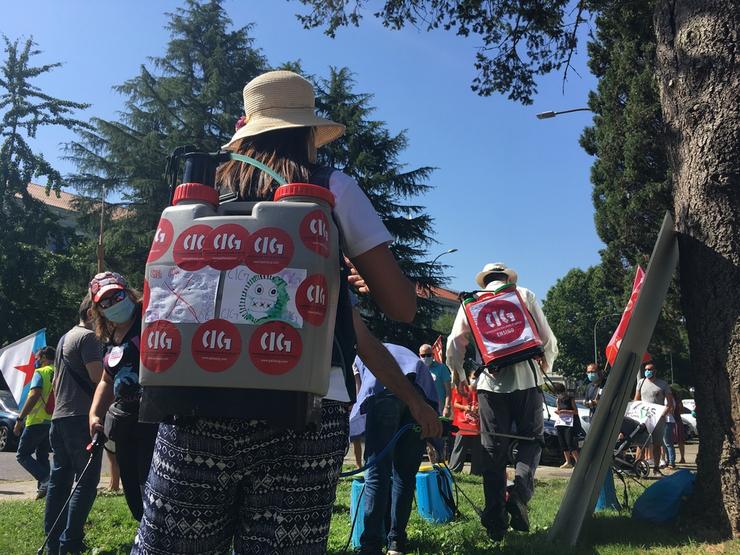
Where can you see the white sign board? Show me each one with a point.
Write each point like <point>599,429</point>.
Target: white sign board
<point>645,413</point>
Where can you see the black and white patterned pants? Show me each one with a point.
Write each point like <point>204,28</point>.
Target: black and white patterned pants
<point>222,484</point>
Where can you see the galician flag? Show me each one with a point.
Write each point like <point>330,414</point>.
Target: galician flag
<point>17,364</point>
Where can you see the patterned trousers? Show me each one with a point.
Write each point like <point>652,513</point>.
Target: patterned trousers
<point>222,484</point>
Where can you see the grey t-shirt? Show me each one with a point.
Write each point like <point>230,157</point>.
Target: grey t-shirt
<point>80,348</point>
<point>653,391</point>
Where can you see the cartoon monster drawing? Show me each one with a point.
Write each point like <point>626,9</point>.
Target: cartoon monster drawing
<point>263,299</point>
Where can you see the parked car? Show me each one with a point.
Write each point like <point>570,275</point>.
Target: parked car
<point>551,452</point>
<point>8,417</point>
<point>689,420</point>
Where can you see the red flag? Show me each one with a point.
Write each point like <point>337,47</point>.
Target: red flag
<point>437,349</point>
<point>613,346</point>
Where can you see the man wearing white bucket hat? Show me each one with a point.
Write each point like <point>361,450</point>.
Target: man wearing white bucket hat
<point>223,484</point>
<point>509,396</point>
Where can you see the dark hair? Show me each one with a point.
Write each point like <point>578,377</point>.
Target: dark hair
<point>289,152</point>
<point>46,352</point>
<point>85,305</point>
<point>558,388</point>
<point>495,276</point>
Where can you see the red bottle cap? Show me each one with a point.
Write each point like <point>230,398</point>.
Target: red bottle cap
<point>304,190</point>
<point>195,191</point>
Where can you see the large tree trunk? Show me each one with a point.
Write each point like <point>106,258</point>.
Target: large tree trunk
<point>699,83</point>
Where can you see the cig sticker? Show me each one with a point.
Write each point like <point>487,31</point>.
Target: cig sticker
<point>275,348</point>
<point>270,249</point>
<point>188,249</point>
<point>312,298</point>
<point>225,247</point>
<point>216,345</point>
<point>162,240</point>
<point>314,232</point>
<point>160,346</point>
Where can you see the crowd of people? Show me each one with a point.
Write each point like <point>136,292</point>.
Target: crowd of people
<point>217,485</point>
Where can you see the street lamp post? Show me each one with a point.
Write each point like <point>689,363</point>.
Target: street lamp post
<point>448,251</point>
<point>551,114</point>
<point>599,319</point>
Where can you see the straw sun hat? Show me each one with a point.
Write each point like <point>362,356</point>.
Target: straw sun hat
<point>280,100</point>
<point>495,268</point>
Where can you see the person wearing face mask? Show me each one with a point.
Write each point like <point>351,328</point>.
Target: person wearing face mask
<point>593,390</point>
<point>115,408</point>
<point>442,379</point>
<point>651,389</point>
<point>438,449</point>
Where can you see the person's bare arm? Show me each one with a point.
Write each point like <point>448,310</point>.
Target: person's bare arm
<point>447,409</point>
<point>94,370</point>
<point>33,397</point>
<point>670,403</point>
<point>382,277</point>
<point>358,384</point>
<point>382,364</point>
<point>101,401</point>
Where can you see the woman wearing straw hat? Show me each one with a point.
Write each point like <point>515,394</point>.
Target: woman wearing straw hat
<point>218,484</point>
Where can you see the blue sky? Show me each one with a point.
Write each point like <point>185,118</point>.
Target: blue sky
<point>509,187</point>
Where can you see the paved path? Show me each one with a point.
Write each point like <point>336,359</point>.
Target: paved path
<point>14,483</point>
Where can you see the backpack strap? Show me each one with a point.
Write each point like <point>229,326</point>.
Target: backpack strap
<point>345,340</point>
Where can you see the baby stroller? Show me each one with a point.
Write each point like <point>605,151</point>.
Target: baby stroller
<point>632,435</point>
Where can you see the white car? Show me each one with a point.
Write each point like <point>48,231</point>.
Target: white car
<point>689,420</point>
<point>550,404</point>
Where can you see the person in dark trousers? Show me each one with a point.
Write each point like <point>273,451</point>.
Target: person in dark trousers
<point>510,401</point>
<point>117,314</point>
<point>34,422</point>
<point>593,389</point>
<point>77,368</point>
<point>385,415</point>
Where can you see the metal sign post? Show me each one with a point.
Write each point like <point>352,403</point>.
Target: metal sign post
<point>596,456</point>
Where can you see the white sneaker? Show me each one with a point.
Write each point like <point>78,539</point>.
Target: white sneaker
<point>663,464</point>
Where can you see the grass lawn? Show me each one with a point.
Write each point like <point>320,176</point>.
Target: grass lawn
<point>111,529</point>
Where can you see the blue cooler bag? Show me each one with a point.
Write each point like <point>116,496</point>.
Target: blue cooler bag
<point>661,501</point>
<point>434,498</point>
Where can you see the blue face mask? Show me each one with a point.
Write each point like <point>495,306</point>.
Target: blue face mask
<point>649,374</point>
<point>121,311</point>
<point>592,376</point>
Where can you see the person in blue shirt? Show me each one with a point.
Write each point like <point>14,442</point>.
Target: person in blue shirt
<point>442,379</point>
<point>385,415</point>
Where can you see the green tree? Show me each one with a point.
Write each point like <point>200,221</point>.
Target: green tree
<point>38,287</point>
<point>699,89</point>
<point>572,306</point>
<point>372,155</point>
<point>191,95</point>
<point>632,186</point>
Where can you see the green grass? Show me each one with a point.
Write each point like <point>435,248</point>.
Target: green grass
<point>111,529</point>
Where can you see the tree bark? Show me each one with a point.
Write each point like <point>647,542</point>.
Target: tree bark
<point>698,78</point>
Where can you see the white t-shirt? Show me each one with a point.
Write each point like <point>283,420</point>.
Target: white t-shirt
<point>362,230</point>
<point>361,227</point>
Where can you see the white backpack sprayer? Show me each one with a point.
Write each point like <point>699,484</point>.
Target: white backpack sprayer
<point>240,301</point>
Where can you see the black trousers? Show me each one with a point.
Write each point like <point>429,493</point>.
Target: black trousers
<point>134,450</point>
<point>462,446</point>
<point>518,413</point>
